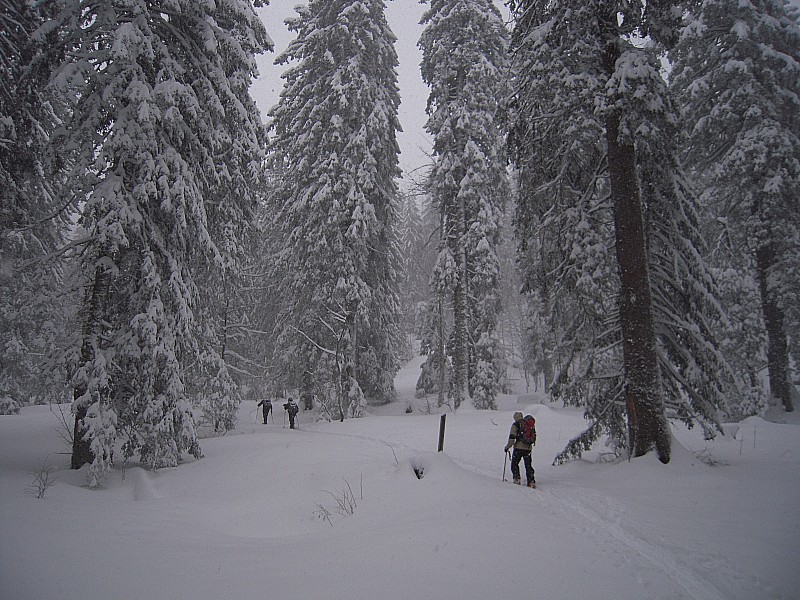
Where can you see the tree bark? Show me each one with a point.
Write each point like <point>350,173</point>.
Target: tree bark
<point>777,345</point>
<point>442,353</point>
<point>647,424</point>
<point>81,447</point>
<point>460,351</point>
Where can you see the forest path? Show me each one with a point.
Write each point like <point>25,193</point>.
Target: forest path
<point>405,382</point>
<point>592,513</point>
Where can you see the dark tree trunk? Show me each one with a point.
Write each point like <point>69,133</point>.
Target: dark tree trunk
<point>777,346</point>
<point>81,451</point>
<point>81,447</point>
<point>548,373</point>
<point>442,353</point>
<point>647,424</point>
<point>460,350</point>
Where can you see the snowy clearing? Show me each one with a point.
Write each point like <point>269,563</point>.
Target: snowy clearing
<point>336,511</point>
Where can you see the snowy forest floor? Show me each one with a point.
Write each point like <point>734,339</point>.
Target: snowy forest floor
<point>335,511</point>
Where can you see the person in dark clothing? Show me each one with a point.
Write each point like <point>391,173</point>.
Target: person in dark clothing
<point>266,405</point>
<point>522,451</point>
<point>292,408</point>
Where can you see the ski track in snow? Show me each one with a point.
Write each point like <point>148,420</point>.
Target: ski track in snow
<point>367,438</point>
<point>602,520</point>
<point>563,501</point>
<point>609,525</point>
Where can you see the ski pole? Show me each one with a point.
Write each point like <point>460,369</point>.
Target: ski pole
<point>505,460</point>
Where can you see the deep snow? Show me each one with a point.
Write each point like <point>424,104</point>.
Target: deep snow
<point>249,519</point>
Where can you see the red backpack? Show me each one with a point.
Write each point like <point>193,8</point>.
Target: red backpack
<point>527,431</point>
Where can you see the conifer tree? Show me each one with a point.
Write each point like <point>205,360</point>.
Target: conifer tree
<point>737,74</point>
<point>415,255</point>
<point>742,334</point>
<point>593,140</point>
<point>165,149</point>
<point>335,157</point>
<point>464,47</point>
<point>31,224</point>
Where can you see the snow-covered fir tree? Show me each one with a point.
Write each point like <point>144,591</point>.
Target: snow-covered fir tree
<point>737,75</point>
<point>417,253</point>
<point>31,223</point>
<point>251,311</point>
<point>464,46</point>
<point>165,148</point>
<point>513,324</point>
<point>335,156</point>
<point>432,319</point>
<point>608,226</point>
<point>742,334</point>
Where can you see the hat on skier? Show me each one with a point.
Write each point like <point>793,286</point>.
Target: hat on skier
<point>517,416</point>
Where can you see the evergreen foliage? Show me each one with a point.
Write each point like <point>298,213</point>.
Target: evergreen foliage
<point>737,75</point>
<point>417,258</point>
<point>582,79</point>
<point>464,47</point>
<point>31,225</point>
<point>742,334</point>
<point>147,255</point>
<point>335,158</point>
<point>165,158</point>
<point>251,311</point>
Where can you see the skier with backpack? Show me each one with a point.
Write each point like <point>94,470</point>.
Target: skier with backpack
<point>292,408</point>
<point>522,438</point>
<point>266,403</point>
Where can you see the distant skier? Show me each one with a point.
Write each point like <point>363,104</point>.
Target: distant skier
<point>266,405</point>
<point>292,408</point>
<point>522,438</point>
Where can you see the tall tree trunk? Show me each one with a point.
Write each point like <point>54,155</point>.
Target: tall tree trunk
<point>81,450</point>
<point>460,320</point>
<point>459,352</point>
<point>777,346</point>
<point>353,375</point>
<point>81,447</point>
<point>547,373</point>
<point>442,353</point>
<point>647,424</point>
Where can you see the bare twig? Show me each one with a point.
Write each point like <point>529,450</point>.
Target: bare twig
<point>345,501</point>
<point>64,429</point>
<point>43,480</point>
<point>324,514</point>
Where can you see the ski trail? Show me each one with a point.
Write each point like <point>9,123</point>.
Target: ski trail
<point>366,438</point>
<point>561,501</point>
<point>664,560</point>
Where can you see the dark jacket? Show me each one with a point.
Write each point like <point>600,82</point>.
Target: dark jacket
<point>516,435</point>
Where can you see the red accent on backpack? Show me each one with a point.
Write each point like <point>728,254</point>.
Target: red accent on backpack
<point>529,430</point>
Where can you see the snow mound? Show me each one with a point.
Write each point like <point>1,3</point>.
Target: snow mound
<point>141,484</point>
<point>436,466</point>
